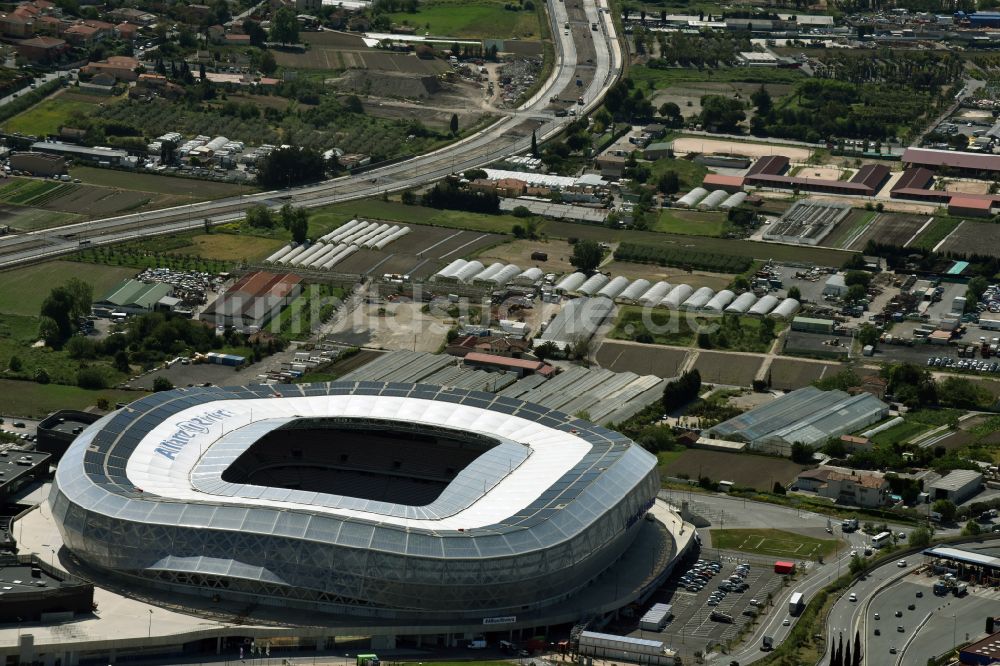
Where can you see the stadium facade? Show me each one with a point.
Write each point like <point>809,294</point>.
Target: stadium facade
<point>404,502</point>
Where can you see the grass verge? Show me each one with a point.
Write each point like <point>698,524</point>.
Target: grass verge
<point>776,543</point>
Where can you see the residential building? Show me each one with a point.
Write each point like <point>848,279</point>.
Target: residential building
<point>127,31</point>
<point>42,49</point>
<point>853,488</point>
<point>17,25</point>
<point>82,34</point>
<point>121,68</point>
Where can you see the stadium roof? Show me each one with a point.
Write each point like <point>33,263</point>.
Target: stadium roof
<point>807,415</point>
<point>161,459</point>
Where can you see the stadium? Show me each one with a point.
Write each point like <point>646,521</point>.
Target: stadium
<point>400,503</point>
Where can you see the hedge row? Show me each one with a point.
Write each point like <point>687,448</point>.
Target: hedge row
<point>663,256</point>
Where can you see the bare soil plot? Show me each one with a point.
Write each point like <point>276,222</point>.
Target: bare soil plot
<point>420,253</point>
<point>98,201</point>
<point>730,369</point>
<point>519,252</point>
<point>398,325</point>
<point>688,95</point>
<point>342,40</point>
<point>890,228</point>
<point>967,186</point>
<point>821,172</point>
<point>743,469</point>
<point>786,374</point>
<point>974,238</point>
<point>688,144</point>
<point>641,359</point>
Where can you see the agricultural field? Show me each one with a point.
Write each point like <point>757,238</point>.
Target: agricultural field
<point>489,19</point>
<point>786,373</point>
<point>519,252</point>
<point>938,230</point>
<point>726,368</point>
<point>31,400</point>
<point>325,219</point>
<point>669,327</point>
<point>850,228</point>
<point>689,222</point>
<point>748,79</point>
<point>890,228</point>
<point>774,543</point>
<point>973,238</point>
<point>31,219</point>
<point>148,182</point>
<point>641,359</point>
<point>26,288</point>
<point>699,244</point>
<point>53,113</point>
<point>743,469</point>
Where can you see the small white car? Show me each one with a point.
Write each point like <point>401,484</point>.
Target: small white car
<point>901,564</point>
<point>853,597</point>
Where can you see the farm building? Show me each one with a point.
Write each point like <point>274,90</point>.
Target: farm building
<point>698,299</point>
<point>764,305</point>
<point>578,320</point>
<point>253,301</point>
<point>656,293</point>
<point>742,303</point>
<point>635,290</point>
<point>768,172</point>
<point>691,199</point>
<point>594,284</point>
<point>967,164</point>
<point>132,297</point>
<point>970,206</point>
<point>808,415</point>
<point>812,325</point>
<point>716,181</point>
<point>570,283</point>
<point>807,222</point>
<point>835,286</point>
<point>713,200</point>
<point>957,485</point>
<point>677,295</point>
<point>98,155</point>
<point>786,309</point>
<point>614,288</point>
<point>38,164</point>
<point>519,366</point>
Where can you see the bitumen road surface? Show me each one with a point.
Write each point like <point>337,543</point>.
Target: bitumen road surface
<point>511,135</point>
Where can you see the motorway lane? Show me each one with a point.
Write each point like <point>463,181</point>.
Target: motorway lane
<point>510,135</point>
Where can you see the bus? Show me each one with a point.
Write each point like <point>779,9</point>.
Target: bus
<point>881,539</point>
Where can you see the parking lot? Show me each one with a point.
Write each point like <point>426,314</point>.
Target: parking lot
<point>692,627</point>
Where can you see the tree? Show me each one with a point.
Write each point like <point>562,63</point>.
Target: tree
<point>587,256</point>
<point>867,335</point>
<point>299,227</point>
<point>863,278</point>
<point>946,508</point>
<point>671,114</point>
<point>681,391</point>
<point>162,384</point>
<point>534,144</point>
<point>856,661</point>
<point>41,376</point>
<point>762,100</point>
<point>201,71</point>
<point>15,364</point>
<point>91,379</point>
<point>920,537</point>
<point>256,33</point>
<point>60,308</point>
<point>801,453</point>
<point>268,65</point>
<point>453,125</point>
<point>856,292</point>
<point>121,362</point>
<point>285,167</point>
<point>260,216</point>
<point>972,528</point>
<point>795,292</point>
<point>79,347</point>
<point>546,350</point>
<point>778,489</point>
<point>668,183</point>
<point>284,26</point>
<point>721,114</point>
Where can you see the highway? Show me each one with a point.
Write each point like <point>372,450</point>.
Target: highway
<point>594,56</point>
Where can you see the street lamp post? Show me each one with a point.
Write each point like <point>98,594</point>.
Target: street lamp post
<point>149,631</point>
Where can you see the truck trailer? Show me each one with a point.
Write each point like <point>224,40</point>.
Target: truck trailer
<point>796,603</point>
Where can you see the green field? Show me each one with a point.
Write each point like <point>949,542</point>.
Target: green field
<point>936,232</point>
<point>32,400</point>
<point>31,219</point>
<point>690,222</point>
<point>774,543</point>
<point>325,219</point>
<point>669,327</point>
<point>49,115</point>
<point>26,288</point>
<point>899,433</point>
<point>474,19</point>
<point>148,182</point>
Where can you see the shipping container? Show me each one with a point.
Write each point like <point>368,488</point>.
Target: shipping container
<point>781,567</point>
